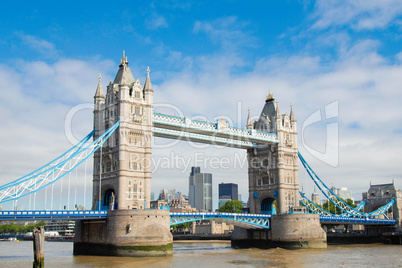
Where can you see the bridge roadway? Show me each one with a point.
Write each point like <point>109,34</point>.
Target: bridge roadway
<point>249,221</point>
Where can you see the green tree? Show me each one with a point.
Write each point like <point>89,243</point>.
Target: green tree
<point>232,206</point>
<point>328,206</point>
<point>182,226</point>
<point>13,228</point>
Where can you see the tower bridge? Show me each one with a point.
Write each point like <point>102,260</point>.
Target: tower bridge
<point>124,124</point>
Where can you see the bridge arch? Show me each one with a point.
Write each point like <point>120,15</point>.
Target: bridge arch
<point>267,206</point>
<point>108,196</point>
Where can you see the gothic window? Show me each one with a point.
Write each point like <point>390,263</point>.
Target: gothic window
<point>255,162</point>
<point>138,110</point>
<point>115,165</point>
<point>265,180</point>
<point>137,94</point>
<point>135,188</point>
<point>108,166</point>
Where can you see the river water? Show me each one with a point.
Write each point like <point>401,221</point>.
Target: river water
<point>210,254</point>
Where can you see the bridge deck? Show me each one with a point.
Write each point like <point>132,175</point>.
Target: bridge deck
<point>350,220</point>
<point>52,215</point>
<point>241,219</point>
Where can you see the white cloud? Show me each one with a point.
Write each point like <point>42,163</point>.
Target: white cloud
<point>358,14</point>
<point>366,85</point>
<point>36,97</point>
<point>156,21</point>
<point>231,33</point>
<point>44,47</point>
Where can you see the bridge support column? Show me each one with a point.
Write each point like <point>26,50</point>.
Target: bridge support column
<point>290,231</point>
<point>135,233</point>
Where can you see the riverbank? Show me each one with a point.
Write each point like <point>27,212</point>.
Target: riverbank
<point>350,239</point>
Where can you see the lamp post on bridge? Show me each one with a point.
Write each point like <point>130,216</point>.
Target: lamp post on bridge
<point>100,178</point>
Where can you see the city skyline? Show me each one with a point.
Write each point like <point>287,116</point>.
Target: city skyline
<point>210,61</point>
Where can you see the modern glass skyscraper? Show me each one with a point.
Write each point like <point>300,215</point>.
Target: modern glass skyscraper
<point>228,191</point>
<point>200,190</point>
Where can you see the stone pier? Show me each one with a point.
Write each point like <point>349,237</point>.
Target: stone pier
<point>137,233</point>
<point>290,231</point>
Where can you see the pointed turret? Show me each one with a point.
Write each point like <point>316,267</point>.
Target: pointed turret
<point>267,115</point>
<point>124,75</point>
<point>147,84</point>
<point>149,98</point>
<point>99,92</point>
<point>278,112</point>
<point>292,114</point>
<point>249,124</point>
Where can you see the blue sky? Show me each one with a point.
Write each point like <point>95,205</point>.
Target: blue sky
<point>210,59</point>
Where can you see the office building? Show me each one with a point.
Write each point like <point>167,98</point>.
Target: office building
<point>227,191</point>
<point>200,190</point>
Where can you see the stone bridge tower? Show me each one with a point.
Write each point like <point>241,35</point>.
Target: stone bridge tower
<point>273,169</point>
<point>381,194</point>
<point>124,171</point>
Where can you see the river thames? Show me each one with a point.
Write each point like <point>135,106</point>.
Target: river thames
<point>211,254</point>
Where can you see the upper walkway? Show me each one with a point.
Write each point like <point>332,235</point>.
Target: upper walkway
<point>219,133</point>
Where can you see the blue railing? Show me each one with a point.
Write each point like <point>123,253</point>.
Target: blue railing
<point>52,214</point>
<point>242,219</point>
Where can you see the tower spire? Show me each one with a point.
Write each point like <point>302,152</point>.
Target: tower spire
<point>99,92</point>
<point>270,96</point>
<point>278,112</point>
<point>292,114</point>
<point>147,84</point>
<point>249,124</point>
<point>124,61</point>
